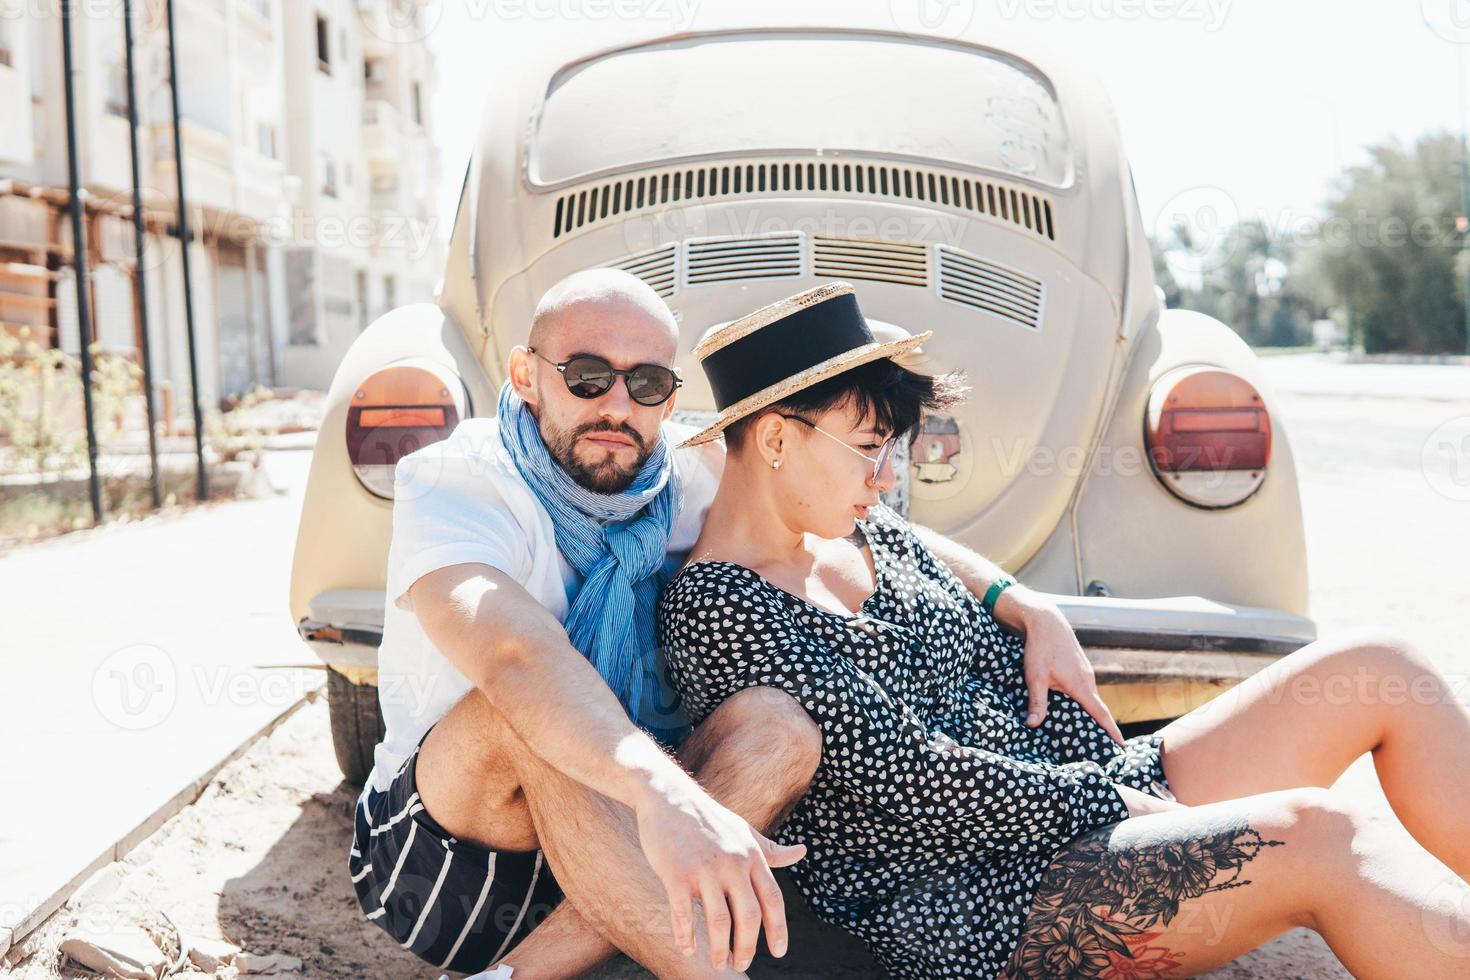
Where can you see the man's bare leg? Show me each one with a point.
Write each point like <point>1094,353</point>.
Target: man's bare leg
<point>756,754</point>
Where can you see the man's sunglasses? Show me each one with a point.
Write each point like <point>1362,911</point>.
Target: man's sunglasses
<point>591,377</point>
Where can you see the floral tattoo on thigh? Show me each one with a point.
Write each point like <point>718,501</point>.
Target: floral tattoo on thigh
<point>1099,907</point>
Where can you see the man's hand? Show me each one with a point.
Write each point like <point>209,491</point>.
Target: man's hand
<point>516,653</point>
<point>1055,661</point>
<point>699,849</point>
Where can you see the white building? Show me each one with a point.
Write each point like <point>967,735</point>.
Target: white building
<point>357,134</point>
<point>302,231</point>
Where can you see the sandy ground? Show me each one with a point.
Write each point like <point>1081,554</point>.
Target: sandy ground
<point>260,859</point>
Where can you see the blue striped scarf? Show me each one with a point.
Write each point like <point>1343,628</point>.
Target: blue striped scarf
<point>617,543</point>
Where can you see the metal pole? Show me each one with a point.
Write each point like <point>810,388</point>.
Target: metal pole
<point>1464,181</point>
<point>139,243</point>
<point>79,259</point>
<point>202,484</point>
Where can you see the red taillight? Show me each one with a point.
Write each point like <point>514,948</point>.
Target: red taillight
<point>1208,435</point>
<point>395,411</point>
<point>401,418</point>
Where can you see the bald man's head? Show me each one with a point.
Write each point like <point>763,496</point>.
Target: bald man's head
<point>597,301</point>
<point>601,441</point>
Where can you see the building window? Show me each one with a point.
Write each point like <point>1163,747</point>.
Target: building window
<point>261,8</point>
<point>323,46</point>
<point>7,57</point>
<point>347,174</point>
<point>115,72</point>
<point>266,139</point>
<point>362,299</point>
<point>390,293</point>
<point>418,104</point>
<point>329,178</point>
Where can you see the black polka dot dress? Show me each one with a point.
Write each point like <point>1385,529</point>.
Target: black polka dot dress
<point>935,809</point>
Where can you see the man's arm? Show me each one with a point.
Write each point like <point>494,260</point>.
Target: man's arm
<point>1016,605</point>
<point>517,655</point>
<point>1054,659</point>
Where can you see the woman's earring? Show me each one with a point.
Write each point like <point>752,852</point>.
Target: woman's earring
<point>775,464</point>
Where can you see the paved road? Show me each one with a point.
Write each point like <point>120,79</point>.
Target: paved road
<point>1384,456</point>
<point>130,658</point>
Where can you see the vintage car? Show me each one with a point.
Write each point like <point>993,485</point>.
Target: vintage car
<point>1126,457</point>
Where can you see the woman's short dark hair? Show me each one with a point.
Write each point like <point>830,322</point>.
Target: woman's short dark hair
<point>894,397</point>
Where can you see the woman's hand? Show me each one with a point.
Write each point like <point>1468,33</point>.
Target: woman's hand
<point>1140,803</point>
<point>1055,661</point>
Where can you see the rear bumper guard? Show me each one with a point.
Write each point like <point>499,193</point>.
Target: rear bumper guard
<point>1178,638</point>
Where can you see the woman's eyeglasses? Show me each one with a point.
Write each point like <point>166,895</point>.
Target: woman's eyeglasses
<point>885,452</point>
<point>588,376</point>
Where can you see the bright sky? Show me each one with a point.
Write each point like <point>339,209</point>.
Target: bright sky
<point>1265,99</point>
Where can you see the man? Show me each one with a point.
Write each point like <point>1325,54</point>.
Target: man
<point>522,693</point>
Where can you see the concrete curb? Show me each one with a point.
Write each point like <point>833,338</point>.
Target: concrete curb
<point>14,933</point>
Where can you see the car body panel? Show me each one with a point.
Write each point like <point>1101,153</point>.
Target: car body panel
<point>1023,250</point>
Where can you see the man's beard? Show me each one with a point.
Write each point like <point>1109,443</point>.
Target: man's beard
<point>605,476</point>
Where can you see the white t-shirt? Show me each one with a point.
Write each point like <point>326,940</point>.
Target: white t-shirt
<point>463,500</point>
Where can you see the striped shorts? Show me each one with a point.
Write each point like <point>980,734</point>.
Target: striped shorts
<point>453,904</point>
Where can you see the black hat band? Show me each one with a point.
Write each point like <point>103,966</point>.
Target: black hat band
<point>765,357</point>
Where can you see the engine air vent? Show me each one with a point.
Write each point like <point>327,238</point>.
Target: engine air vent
<point>655,267</point>
<point>718,259</point>
<point>973,281</point>
<point>830,178</point>
<point>906,263</point>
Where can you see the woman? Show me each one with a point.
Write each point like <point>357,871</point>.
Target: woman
<point>956,840</point>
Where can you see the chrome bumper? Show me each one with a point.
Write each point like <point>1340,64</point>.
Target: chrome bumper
<point>1181,638</point>
<point>1129,641</point>
<point>344,627</point>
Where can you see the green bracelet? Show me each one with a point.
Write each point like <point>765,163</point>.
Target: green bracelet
<point>993,593</point>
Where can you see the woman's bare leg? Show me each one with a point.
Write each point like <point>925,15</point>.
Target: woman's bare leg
<point>1179,893</point>
<point>1304,719</point>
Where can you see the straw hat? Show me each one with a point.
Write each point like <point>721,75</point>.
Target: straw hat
<point>792,344</point>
